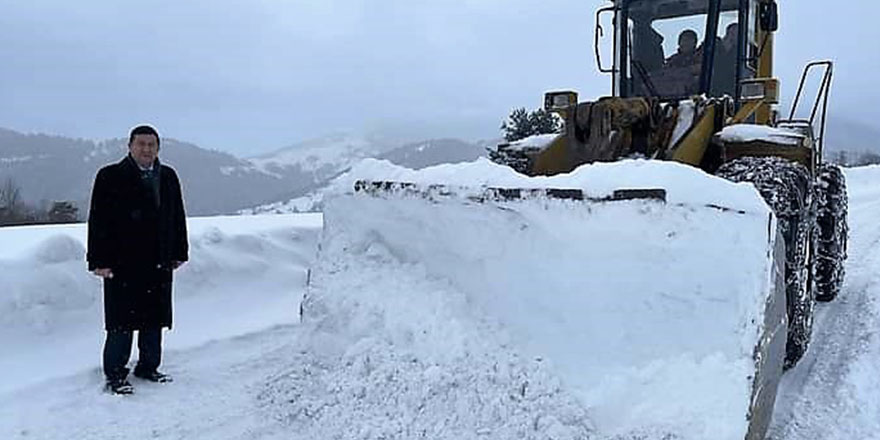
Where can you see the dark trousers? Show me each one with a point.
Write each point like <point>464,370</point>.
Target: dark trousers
<point>117,350</point>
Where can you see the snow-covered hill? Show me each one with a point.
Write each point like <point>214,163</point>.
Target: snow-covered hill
<point>57,168</point>
<point>415,156</point>
<point>322,157</point>
<point>48,168</point>
<point>436,152</point>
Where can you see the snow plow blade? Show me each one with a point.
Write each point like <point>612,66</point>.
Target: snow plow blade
<point>613,291</point>
<point>409,189</point>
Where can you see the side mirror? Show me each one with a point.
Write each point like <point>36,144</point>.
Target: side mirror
<point>600,32</point>
<point>769,16</point>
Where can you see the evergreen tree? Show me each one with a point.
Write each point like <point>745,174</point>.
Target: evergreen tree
<point>521,124</point>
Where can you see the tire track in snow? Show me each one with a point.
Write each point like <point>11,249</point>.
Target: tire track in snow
<point>213,397</point>
<point>818,399</point>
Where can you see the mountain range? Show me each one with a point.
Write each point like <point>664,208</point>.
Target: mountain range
<point>50,168</point>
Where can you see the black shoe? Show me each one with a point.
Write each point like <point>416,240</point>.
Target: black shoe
<point>153,376</point>
<point>119,386</point>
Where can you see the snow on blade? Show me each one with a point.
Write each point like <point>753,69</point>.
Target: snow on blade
<point>687,110</point>
<point>539,317</point>
<point>751,132</point>
<point>536,142</point>
<point>683,184</point>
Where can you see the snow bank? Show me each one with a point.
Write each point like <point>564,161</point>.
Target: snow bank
<point>534,319</point>
<point>862,184</point>
<point>245,274</point>
<point>398,355</point>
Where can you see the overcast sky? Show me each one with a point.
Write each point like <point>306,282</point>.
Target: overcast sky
<point>248,76</point>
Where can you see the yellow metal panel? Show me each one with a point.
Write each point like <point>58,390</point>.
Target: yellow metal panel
<point>748,109</point>
<point>692,146</point>
<point>765,70</point>
<point>554,159</point>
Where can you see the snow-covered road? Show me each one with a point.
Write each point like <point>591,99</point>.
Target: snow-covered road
<point>834,393</point>
<point>212,397</point>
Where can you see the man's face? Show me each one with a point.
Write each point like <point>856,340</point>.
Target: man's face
<point>687,44</point>
<point>144,148</point>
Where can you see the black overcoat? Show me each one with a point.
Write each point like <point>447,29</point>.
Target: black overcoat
<point>138,236</point>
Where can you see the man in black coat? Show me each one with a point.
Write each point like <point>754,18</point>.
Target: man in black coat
<point>137,238</point>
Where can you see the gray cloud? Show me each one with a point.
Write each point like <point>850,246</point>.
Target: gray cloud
<point>248,76</point>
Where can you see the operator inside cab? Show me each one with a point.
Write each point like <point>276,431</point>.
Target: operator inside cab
<point>664,71</point>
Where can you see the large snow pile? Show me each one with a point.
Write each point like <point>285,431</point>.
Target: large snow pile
<point>240,279</point>
<point>533,319</point>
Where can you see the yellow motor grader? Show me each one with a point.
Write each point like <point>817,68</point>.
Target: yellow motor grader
<point>692,82</point>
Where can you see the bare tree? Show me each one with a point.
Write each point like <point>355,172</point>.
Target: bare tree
<point>867,158</point>
<point>14,210</point>
<point>11,206</point>
<point>63,212</point>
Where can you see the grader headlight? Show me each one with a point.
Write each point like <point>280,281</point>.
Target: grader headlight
<point>557,102</point>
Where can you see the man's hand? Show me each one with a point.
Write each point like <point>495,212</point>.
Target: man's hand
<point>176,264</point>
<point>103,272</point>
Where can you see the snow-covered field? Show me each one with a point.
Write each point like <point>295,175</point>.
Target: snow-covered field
<point>401,339</point>
<point>246,274</point>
